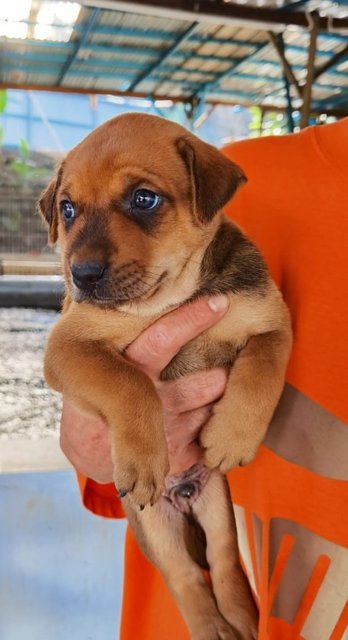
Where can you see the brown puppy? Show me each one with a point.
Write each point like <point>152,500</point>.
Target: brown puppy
<point>137,211</point>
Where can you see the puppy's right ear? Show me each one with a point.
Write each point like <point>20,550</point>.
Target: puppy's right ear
<point>47,207</point>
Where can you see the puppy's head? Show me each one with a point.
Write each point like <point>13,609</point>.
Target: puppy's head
<point>134,206</point>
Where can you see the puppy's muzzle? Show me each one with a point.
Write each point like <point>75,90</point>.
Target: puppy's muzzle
<point>86,274</point>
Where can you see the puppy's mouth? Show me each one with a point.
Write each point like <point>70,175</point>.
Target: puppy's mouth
<point>119,286</point>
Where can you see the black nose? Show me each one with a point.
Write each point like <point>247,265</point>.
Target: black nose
<point>86,274</point>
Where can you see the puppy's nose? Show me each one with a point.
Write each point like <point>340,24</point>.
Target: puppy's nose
<point>86,274</point>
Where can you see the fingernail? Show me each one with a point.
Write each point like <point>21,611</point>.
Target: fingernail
<point>218,303</point>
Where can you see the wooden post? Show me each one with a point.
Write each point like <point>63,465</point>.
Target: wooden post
<point>307,89</point>
<point>288,72</point>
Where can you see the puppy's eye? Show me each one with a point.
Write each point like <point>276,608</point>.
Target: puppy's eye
<point>145,200</point>
<point>67,210</point>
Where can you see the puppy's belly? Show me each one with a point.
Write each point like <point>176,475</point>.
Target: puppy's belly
<point>183,489</point>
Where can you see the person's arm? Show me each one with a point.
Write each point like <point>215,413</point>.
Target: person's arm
<point>186,404</point>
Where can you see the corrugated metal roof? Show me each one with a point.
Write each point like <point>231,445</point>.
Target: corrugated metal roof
<point>71,46</point>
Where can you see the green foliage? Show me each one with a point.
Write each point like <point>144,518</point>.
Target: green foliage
<point>23,149</point>
<point>3,103</point>
<point>23,166</point>
<point>3,100</point>
<point>256,121</point>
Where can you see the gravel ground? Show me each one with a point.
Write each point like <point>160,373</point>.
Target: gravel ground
<point>28,408</point>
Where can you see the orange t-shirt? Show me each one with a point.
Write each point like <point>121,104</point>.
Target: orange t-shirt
<point>291,503</point>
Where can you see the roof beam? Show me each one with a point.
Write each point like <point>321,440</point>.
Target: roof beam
<point>205,10</point>
<point>160,34</point>
<point>338,57</point>
<point>210,86</point>
<point>80,43</point>
<point>317,108</point>
<point>153,67</point>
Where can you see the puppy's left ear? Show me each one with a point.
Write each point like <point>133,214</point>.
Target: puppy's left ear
<point>47,207</point>
<point>214,179</point>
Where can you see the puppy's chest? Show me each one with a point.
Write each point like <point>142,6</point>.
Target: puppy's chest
<point>198,354</point>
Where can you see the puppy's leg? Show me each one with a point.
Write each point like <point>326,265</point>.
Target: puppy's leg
<point>160,532</point>
<point>99,380</point>
<point>214,512</point>
<point>240,420</point>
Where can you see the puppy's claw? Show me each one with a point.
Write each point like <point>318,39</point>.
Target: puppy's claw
<point>143,483</point>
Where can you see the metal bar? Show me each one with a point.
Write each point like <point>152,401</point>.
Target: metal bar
<point>85,35</point>
<point>209,86</point>
<point>307,90</point>
<point>295,67</point>
<point>260,17</point>
<point>334,101</point>
<point>88,72</point>
<point>120,49</point>
<point>146,50</point>
<point>151,68</point>
<point>175,99</point>
<point>338,57</point>
<point>287,69</point>
<point>295,48</point>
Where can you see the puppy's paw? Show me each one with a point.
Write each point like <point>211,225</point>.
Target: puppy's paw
<point>224,449</point>
<point>141,478</point>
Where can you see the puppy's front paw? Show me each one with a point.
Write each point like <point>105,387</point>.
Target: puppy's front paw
<point>140,477</point>
<point>226,447</point>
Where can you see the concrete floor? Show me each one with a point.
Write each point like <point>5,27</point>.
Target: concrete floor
<point>60,566</point>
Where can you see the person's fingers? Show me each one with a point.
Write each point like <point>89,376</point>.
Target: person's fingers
<point>158,344</point>
<point>86,443</point>
<point>192,391</point>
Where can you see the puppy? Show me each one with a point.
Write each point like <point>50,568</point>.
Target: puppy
<point>137,210</point>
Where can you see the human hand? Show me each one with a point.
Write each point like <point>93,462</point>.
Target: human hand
<point>186,401</point>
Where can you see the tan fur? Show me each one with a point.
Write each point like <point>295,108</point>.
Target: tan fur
<point>157,264</point>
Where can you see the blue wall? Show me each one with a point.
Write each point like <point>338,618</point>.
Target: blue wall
<point>56,122</point>
<point>60,567</point>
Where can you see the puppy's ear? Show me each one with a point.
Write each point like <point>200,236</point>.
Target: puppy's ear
<point>213,177</point>
<point>47,207</point>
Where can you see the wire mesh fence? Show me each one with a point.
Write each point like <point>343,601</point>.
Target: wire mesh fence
<point>21,229</point>
<point>23,235</point>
